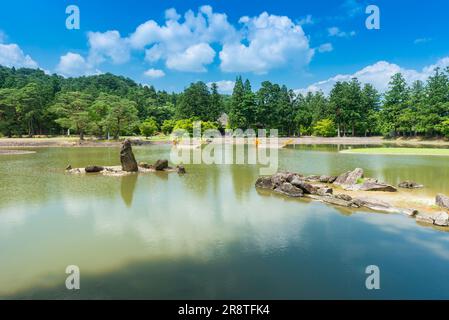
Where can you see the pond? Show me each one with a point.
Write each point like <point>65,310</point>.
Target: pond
<point>209,234</point>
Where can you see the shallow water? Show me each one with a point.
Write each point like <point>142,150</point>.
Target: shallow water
<point>210,234</point>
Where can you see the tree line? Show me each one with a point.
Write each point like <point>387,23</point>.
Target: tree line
<point>108,106</point>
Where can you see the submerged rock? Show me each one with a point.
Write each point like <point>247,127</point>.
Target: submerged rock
<point>161,165</point>
<point>442,201</point>
<point>289,190</point>
<point>94,169</point>
<point>337,201</point>
<point>127,158</point>
<point>375,204</point>
<point>410,185</point>
<point>350,177</point>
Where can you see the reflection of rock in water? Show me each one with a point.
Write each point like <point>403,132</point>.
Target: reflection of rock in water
<point>128,185</point>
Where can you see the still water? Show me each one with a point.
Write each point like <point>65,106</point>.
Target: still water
<point>209,234</point>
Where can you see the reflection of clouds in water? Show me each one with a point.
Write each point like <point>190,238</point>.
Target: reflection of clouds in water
<point>427,238</point>
<point>11,218</point>
<point>107,235</point>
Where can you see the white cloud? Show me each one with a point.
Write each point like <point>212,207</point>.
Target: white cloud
<point>171,14</point>
<point>306,20</point>
<point>379,75</point>
<point>353,7</point>
<point>154,73</point>
<point>325,47</point>
<point>422,40</point>
<point>108,45</point>
<point>12,56</point>
<point>74,65</point>
<point>186,43</point>
<point>336,32</point>
<point>193,59</point>
<point>272,42</point>
<point>224,86</point>
<point>183,45</point>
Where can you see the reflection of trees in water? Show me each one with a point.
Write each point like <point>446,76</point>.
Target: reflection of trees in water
<point>127,188</point>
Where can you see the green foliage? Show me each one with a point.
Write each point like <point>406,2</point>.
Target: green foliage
<point>167,126</point>
<point>443,128</point>
<point>72,111</point>
<point>32,102</point>
<point>324,128</point>
<point>148,127</point>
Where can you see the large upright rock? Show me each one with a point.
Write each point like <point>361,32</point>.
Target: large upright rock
<point>442,201</point>
<point>127,159</point>
<point>350,177</point>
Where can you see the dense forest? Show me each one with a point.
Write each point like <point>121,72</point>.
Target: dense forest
<point>107,106</point>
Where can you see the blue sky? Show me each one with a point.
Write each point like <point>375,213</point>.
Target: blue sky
<point>307,45</point>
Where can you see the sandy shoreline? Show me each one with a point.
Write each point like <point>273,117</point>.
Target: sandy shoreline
<point>75,142</point>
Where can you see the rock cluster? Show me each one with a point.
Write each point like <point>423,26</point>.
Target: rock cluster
<point>318,188</point>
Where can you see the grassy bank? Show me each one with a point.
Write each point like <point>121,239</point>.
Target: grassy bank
<point>400,151</point>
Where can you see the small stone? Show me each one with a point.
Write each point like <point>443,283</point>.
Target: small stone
<point>442,201</point>
<point>410,185</point>
<point>145,165</point>
<point>160,165</point>
<point>181,169</point>
<point>93,169</point>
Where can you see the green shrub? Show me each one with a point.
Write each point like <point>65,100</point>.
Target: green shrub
<point>148,127</point>
<point>324,128</point>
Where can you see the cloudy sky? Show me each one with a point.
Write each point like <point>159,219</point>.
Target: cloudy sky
<point>307,45</point>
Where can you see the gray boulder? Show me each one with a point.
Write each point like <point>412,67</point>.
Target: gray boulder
<point>441,219</point>
<point>327,179</point>
<point>304,186</point>
<point>438,219</point>
<point>343,197</point>
<point>336,201</point>
<point>377,186</point>
<point>93,169</point>
<point>289,190</point>
<point>325,191</point>
<point>442,201</point>
<point>180,169</point>
<point>127,158</point>
<point>265,183</point>
<point>350,177</point>
<point>281,177</point>
<point>313,178</point>
<point>161,165</point>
